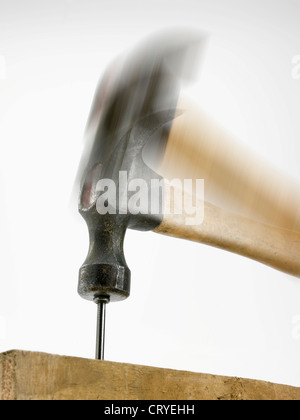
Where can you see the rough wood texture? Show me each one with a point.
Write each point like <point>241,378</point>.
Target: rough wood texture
<point>39,376</point>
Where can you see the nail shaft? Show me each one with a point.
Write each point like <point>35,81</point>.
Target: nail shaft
<point>100,330</point>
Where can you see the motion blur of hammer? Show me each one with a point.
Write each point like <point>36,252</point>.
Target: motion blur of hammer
<point>140,135</point>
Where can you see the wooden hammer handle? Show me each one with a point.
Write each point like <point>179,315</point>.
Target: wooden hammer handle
<point>275,247</point>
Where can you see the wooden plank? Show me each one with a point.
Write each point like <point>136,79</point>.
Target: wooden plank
<point>40,376</point>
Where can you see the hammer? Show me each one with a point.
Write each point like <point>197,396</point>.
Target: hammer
<point>139,134</point>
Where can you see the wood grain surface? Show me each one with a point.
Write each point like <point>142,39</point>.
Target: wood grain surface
<point>39,376</point>
<point>250,207</point>
<point>237,178</point>
<point>273,246</point>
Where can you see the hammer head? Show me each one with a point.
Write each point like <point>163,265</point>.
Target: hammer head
<point>130,118</point>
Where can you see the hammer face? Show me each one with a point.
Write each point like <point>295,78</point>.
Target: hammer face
<point>135,100</point>
<point>105,271</point>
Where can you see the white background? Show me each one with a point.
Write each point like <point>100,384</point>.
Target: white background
<point>192,307</point>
